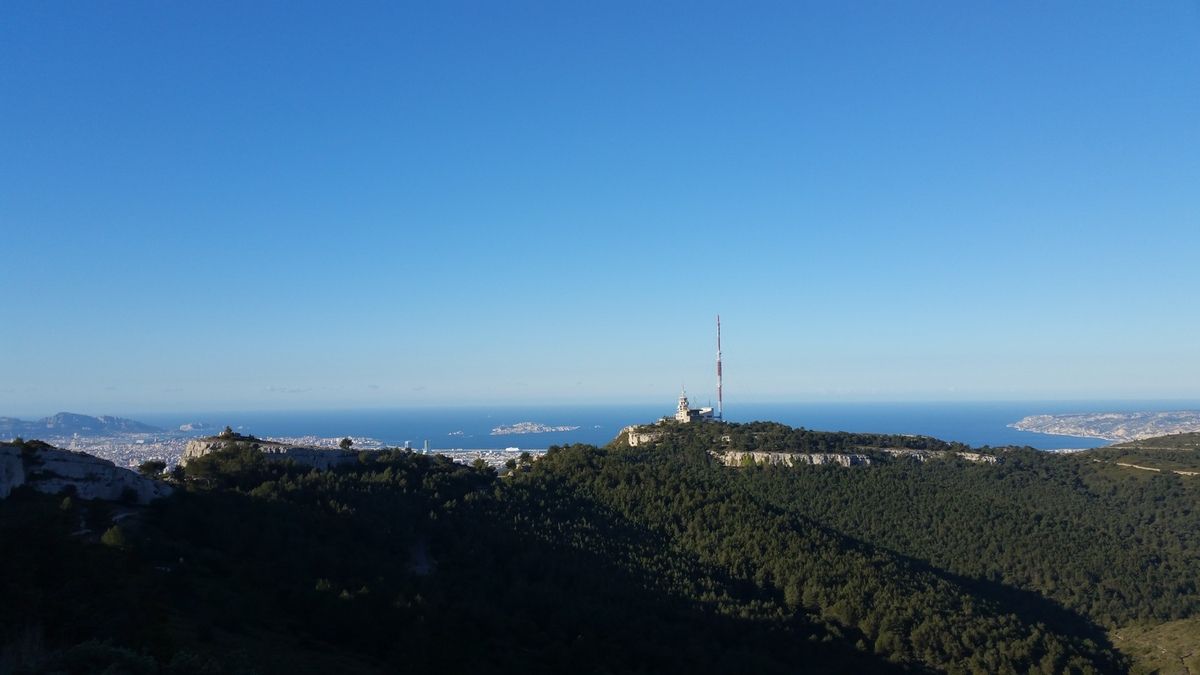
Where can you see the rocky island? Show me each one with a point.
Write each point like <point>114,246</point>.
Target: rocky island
<point>1113,426</point>
<point>529,428</point>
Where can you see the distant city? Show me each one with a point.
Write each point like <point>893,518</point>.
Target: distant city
<point>129,443</point>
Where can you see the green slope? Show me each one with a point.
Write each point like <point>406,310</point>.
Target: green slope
<point>1176,452</point>
<point>607,560</point>
<point>1171,648</point>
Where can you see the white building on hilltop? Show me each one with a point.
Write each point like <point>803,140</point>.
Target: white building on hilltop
<point>685,413</point>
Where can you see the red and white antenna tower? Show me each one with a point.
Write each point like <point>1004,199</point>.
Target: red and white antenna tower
<point>720,412</point>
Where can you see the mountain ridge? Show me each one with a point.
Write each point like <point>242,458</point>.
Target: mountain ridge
<point>68,423</point>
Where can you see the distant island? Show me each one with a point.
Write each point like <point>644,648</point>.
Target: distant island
<point>1113,426</point>
<point>529,428</point>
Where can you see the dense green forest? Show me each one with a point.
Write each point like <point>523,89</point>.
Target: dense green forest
<point>1177,452</point>
<point>606,560</point>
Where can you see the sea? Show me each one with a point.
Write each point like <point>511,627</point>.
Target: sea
<point>454,428</point>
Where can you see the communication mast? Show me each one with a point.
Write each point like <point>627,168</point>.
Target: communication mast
<point>720,412</point>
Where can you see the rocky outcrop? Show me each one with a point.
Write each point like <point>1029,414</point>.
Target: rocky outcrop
<point>978,457</point>
<point>12,470</point>
<point>926,455</point>
<point>636,435</point>
<point>308,455</point>
<point>52,470</point>
<point>739,458</point>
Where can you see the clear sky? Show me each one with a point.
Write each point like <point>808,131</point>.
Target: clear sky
<point>213,205</point>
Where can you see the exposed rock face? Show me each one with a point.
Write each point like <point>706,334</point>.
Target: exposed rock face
<point>12,471</point>
<point>53,470</point>
<point>977,457</point>
<point>308,455</point>
<point>737,457</point>
<point>926,455</point>
<point>641,435</point>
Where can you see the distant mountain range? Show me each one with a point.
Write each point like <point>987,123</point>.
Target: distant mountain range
<point>67,424</point>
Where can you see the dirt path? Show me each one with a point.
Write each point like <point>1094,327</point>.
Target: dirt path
<point>1181,472</point>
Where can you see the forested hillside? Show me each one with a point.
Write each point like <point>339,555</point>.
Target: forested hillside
<point>606,560</point>
<point>1177,452</point>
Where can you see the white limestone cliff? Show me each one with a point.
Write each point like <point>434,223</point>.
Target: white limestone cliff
<point>737,457</point>
<point>316,457</point>
<point>54,471</point>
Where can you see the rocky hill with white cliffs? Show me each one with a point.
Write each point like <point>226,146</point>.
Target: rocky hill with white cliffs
<point>307,455</point>
<point>52,470</point>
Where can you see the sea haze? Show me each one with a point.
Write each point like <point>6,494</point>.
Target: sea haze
<point>976,424</point>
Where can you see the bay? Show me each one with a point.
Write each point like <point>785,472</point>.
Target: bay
<point>448,428</point>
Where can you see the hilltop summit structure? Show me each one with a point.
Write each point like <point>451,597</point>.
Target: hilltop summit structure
<point>685,413</point>
<point>637,434</point>
<point>308,455</point>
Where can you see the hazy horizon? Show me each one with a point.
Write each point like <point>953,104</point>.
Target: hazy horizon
<point>1056,406</point>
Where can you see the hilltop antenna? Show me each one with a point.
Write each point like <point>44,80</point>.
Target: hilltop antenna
<point>720,412</point>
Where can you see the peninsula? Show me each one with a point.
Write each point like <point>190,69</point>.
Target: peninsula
<point>1113,426</point>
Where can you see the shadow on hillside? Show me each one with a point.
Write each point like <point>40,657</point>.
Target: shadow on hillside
<point>511,594</point>
<point>1029,607</point>
<point>624,591</point>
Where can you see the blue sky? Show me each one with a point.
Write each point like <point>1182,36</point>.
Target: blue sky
<point>296,205</point>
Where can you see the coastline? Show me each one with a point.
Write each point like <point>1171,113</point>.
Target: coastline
<point>1114,427</point>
